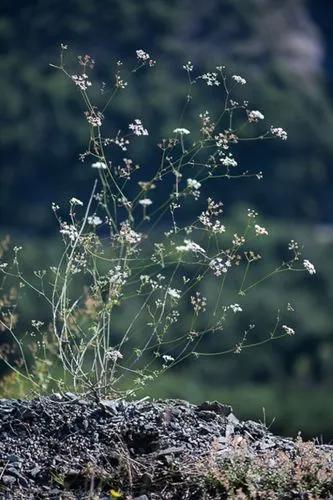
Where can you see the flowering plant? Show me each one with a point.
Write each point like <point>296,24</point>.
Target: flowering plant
<point>120,259</point>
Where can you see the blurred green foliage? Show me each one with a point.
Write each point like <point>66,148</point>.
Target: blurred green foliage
<point>43,133</point>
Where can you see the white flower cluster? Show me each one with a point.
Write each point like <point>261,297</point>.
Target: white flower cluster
<point>238,240</point>
<point>146,280</point>
<point>194,188</point>
<point>81,81</point>
<point>288,330</point>
<point>94,220</point>
<point>128,235</point>
<point>127,168</point>
<point>145,202</point>
<point>209,216</point>
<point>252,214</point>
<point>138,128</point>
<point>168,359</point>
<point>142,55</point>
<point>174,293</point>
<point>235,308</point>
<point>94,118</point>
<point>188,66</point>
<point>309,267</point>
<point>117,277</point>
<point>239,79</point>
<point>229,161</point>
<point>211,79</point>
<point>219,266</point>
<point>254,116</point>
<point>113,354</point>
<point>119,141</point>
<point>222,140</point>
<point>199,303</point>
<point>190,246</point>
<point>69,230</point>
<point>75,201</point>
<point>120,83</point>
<point>100,165</point>
<point>279,132</point>
<point>193,184</point>
<point>207,125</point>
<point>260,230</point>
<point>181,131</point>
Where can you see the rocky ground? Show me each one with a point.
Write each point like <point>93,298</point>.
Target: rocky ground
<point>64,447</point>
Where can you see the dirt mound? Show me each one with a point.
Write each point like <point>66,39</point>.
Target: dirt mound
<point>67,447</point>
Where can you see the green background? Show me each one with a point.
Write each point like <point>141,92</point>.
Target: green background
<point>284,49</point>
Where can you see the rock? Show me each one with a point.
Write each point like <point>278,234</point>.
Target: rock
<point>8,480</point>
<point>109,405</point>
<point>215,406</point>
<point>71,396</point>
<point>34,472</point>
<point>97,442</point>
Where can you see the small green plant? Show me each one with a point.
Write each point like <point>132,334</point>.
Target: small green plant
<point>142,245</point>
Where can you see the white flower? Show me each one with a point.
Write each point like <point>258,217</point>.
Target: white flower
<point>193,184</point>
<point>76,201</point>
<point>81,81</point>
<point>288,330</point>
<point>228,161</point>
<point>128,235</point>
<point>181,131</point>
<point>211,79</point>
<point>218,266</point>
<point>235,308</point>
<point>138,128</point>
<point>190,246</point>
<point>188,66</point>
<point>95,119</point>
<point>254,116</point>
<point>141,54</point>
<point>94,220</point>
<point>113,354</point>
<point>309,267</point>
<point>260,231</point>
<point>175,294</point>
<point>99,164</point>
<point>168,358</point>
<point>279,132</point>
<point>239,79</point>
<point>218,227</point>
<point>69,230</point>
<point>145,202</point>
<point>199,303</point>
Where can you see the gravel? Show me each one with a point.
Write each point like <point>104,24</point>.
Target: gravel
<point>63,446</point>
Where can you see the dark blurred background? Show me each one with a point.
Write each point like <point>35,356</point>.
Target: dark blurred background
<point>284,49</point>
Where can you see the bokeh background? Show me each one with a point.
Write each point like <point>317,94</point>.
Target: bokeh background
<point>285,50</point>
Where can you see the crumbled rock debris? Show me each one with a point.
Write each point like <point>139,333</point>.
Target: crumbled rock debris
<point>65,447</point>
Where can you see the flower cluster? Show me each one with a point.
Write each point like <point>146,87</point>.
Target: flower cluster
<point>309,267</point>
<point>239,79</point>
<point>199,303</point>
<point>211,79</point>
<point>138,128</point>
<point>279,132</point>
<point>254,116</point>
<point>219,266</point>
<point>190,246</point>
<point>94,118</point>
<point>128,235</point>
<point>82,81</point>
